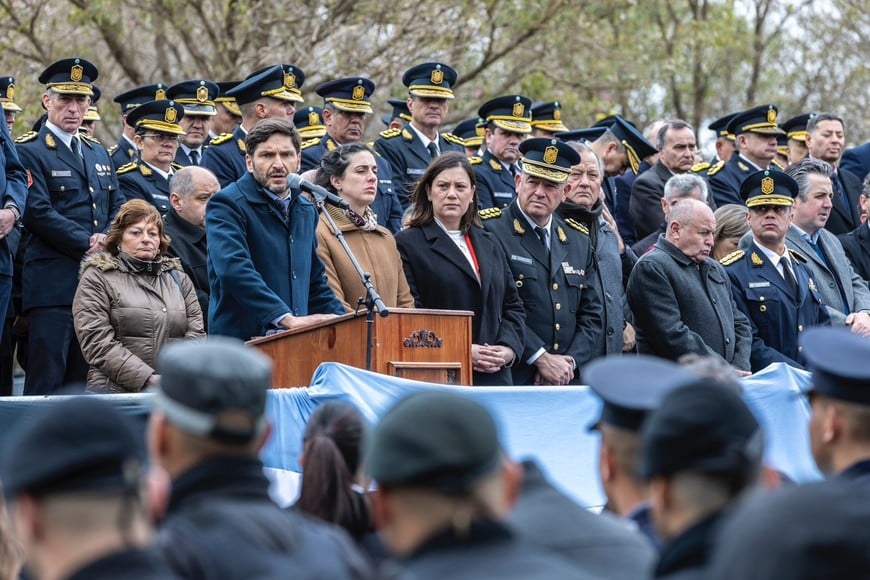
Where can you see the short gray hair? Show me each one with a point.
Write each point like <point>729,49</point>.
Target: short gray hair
<point>582,147</point>
<point>683,186</point>
<point>675,124</point>
<point>802,170</point>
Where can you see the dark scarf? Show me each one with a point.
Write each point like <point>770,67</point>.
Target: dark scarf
<point>586,216</point>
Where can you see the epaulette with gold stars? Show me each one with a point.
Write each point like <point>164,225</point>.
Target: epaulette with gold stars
<point>222,138</point>
<point>88,137</point>
<point>476,160</point>
<point>577,225</point>
<point>451,138</point>
<point>714,169</point>
<point>127,168</point>
<point>699,167</point>
<point>732,257</point>
<point>489,213</point>
<point>390,133</point>
<point>309,143</point>
<point>29,136</point>
<point>798,256</point>
<point>496,166</point>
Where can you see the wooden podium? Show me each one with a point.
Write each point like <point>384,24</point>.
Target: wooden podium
<point>423,345</point>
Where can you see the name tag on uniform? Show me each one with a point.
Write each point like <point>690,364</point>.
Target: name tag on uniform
<point>509,194</point>
<point>55,173</point>
<point>410,171</point>
<point>759,284</point>
<point>521,259</point>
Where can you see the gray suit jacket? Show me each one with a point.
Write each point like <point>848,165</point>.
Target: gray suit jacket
<point>857,294</point>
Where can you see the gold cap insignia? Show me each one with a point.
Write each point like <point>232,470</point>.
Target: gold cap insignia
<point>359,92</point>
<point>10,92</point>
<point>171,115</point>
<point>202,94</point>
<point>313,118</point>
<point>519,110</point>
<point>289,80</point>
<point>771,115</point>
<point>767,185</point>
<point>551,153</point>
<point>557,114</point>
<point>160,94</point>
<point>76,73</point>
<point>437,76</point>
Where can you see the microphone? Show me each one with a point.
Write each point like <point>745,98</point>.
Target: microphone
<point>319,193</point>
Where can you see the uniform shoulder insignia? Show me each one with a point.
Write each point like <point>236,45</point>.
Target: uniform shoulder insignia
<point>577,225</point>
<point>476,160</point>
<point>496,166</point>
<point>406,135</point>
<point>451,138</point>
<point>29,136</point>
<point>177,166</point>
<point>715,168</point>
<point>390,133</point>
<point>777,164</point>
<point>489,213</point>
<point>222,138</point>
<point>112,149</point>
<point>798,256</point>
<point>732,257</point>
<point>309,143</point>
<point>699,167</point>
<point>126,168</point>
<point>88,137</point>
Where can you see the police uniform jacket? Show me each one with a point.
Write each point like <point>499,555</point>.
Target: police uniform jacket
<point>409,158</point>
<point>67,202</point>
<point>138,180</point>
<point>133,564</point>
<point>261,267</point>
<point>188,243</point>
<point>13,190</point>
<point>856,244</point>
<point>682,307</point>
<point>832,274</point>
<point>225,156</point>
<point>777,316</point>
<point>858,472</point>
<point>725,179</point>
<point>688,556</point>
<point>182,159</point>
<point>222,524</point>
<point>495,184</point>
<point>440,276</point>
<point>386,204</point>
<point>599,546</point>
<point>623,185</point>
<point>488,550</point>
<point>123,152</point>
<point>846,205</point>
<point>563,308</point>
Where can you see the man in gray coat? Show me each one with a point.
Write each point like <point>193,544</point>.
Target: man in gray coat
<point>681,298</point>
<point>843,292</point>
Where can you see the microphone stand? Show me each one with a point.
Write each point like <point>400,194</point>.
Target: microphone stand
<point>372,300</point>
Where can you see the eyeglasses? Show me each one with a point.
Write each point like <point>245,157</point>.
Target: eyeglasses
<point>163,137</point>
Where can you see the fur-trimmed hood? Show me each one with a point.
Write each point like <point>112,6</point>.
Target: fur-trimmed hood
<point>106,261</point>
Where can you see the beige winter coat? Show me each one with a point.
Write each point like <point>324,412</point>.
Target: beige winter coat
<point>124,314</point>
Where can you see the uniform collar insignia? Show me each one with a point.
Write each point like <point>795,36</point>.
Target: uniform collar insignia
<point>330,144</point>
<point>756,259</point>
<point>561,233</point>
<point>50,142</point>
<point>241,144</point>
<point>518,228</point>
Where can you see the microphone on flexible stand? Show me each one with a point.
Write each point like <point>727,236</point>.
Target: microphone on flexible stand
<point>319,193</point>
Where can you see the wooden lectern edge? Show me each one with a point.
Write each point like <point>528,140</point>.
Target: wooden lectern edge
<point>329,322</point>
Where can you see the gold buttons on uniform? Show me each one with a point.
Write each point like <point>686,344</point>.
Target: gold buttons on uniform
<point>761,298</point>
<point>96,223</point>
<point>556,346</point>
<point>558,326</point>
<point>92,189</point>
<point>519,283</point>
<point>763,308</point>
<point>555,286</point>
<point>558,306</point>
<point>800,327</point>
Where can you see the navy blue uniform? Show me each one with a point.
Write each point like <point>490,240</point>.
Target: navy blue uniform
<point>139,181</point>
<point>776,314</point>
<point>386,205</point>
<point>69,200</point>
<point>182,159</point>
<point>409,158</point>
<point>225,157</point>
<point>563,309</point>
<point>13,192</point>
<point>123,152</point>
<point>495,184</point>
<point>725,179</point>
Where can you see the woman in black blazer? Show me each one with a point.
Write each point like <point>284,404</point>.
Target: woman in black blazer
<point>452,263</point>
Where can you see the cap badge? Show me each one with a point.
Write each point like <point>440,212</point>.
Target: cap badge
<point>202,94</point>
<point>10,92</point>
<point>160,94</point>
<point>359,92</point>
<point>313,118</point>
<point>550,155</point>
<point>767,185</point>
<point>771,115</point>
<point>557,114</point>
<point>437,76</point>
<point>519,110</point>
<point>289,80</point>
<point>171,115</point>
<point>76,73</point>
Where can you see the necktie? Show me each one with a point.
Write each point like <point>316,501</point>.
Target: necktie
<point>789,276</point>
<point>433,149</point>
<point>542,235</point>
<point>76,148</point>
<point>194,157</point>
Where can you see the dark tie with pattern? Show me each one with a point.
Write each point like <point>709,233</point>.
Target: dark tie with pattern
<point>789,276</point>
<point>194,157</point>
<point>76,148</point>
<point>433,149</point>
<point>542,235</point>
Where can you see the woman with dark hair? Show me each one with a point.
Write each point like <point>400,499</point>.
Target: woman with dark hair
<point>132,300</point>
<point>351,172</point>
<point>331,457</point>
<point>452,263</point>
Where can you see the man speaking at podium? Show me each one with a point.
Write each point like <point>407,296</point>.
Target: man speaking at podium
<point>263,269</point>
